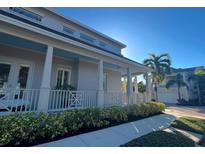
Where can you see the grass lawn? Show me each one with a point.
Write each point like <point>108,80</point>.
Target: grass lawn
<point>191,124</point>
<point>161,139</point>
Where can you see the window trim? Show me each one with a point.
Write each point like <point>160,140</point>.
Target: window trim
<point>63,69</point>
<point>92,39</point>
<point>24,16</point>
<point>29,72</point>
<point>102,44</point>
<point>7,63</point>
<point>71,29</point>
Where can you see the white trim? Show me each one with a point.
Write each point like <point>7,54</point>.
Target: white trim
<point>1,62</point>
<point>28,82</point>
<point>63,69</point>
<point>25,17</point>
<point>14,72</point>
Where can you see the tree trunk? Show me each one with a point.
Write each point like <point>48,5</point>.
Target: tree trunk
<point>155,89</point>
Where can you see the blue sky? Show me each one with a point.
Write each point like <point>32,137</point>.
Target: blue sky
<point>177,31</point>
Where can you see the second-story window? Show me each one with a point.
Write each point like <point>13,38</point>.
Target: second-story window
<point>102,44</point>
<point>87,38</point>
<point>26,13</point>
<point>68,30</point>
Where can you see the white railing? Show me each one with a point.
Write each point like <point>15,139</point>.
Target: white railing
<point>115,99</point>
<point>121,99</point>
<point>63,100</point>
<point>141,97</point>
<point>13,100</point>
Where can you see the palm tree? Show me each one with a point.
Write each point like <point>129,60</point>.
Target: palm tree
<point>178,80</point>
<point>195,78</point>
<point>161,66</point>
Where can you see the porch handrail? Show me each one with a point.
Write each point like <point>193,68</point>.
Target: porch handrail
<point>65,99</point>
<point>19,100</point>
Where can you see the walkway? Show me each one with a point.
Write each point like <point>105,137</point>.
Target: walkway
<point>179,111</point>
<point>117,135</point>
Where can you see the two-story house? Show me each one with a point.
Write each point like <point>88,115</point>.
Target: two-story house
<point>49,62</point>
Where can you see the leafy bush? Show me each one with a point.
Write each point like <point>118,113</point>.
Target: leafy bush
<point>32,128</point>
<point>151,108</point>
<point>115,114</point>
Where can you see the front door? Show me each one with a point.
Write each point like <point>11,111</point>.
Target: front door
<point>23,76</point>
<point>15,73</point>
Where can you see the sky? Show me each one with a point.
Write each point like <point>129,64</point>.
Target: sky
<point>180,32</point>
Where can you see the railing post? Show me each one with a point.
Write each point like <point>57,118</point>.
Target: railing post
<point>45,83</point>
<point>100,92</point>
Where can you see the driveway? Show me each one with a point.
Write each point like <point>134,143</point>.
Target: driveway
<point>179,111</point>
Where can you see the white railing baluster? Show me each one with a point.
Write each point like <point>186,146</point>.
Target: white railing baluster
<point>53,98</point>
<point>32,101</point>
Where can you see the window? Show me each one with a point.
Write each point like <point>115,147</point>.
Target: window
<point>87,38</point>
<point>26,13</point>
<point>68,30</point>
<point>63,77</point>
<point>4,74</point>
<point>105,81</point>
<point>102,44</point>
<point>23,76</point>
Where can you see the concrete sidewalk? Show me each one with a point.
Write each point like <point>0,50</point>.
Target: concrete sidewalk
<point>115,136</point>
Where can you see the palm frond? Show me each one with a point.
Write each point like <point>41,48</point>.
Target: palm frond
<point>162,56</point>
<point>165,61</point>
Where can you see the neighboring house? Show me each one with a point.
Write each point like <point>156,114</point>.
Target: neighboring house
<point>189,93</point>
<point>41,50</point>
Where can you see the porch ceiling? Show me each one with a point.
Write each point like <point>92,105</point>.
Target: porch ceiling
<point>20,42</point>
<point>10,40</point>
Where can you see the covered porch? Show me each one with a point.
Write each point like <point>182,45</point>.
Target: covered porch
<point>50,76</point>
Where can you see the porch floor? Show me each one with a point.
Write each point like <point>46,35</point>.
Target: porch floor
<point>117,135</point>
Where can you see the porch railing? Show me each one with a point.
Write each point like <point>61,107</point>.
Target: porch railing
<point>26,100</point>
<point>63,100</point>
<point>115,99</point>
<point>121,99</point>
<point>13,100</point>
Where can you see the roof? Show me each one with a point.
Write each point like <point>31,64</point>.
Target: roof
<point>190,69</point>
<point>85,26</point>
<point>67,36</point>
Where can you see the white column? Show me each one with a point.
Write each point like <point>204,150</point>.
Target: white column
<point>135,94</point>
<point>100,85</point>
<point>148,88</point>
<point>45,83</point>
<point>129,86</point>
<point>135,84</point>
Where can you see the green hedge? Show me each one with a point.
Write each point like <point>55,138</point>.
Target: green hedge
<point>32,128</point>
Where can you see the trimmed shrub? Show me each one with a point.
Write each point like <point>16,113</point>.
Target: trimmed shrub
<point>34,128</point>
<point>115,114</point>
<point>150,108</point>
